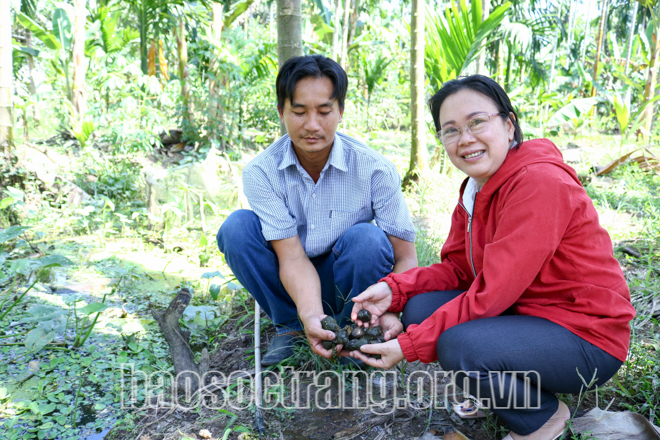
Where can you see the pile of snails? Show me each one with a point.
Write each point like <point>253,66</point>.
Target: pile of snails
<point>352,336</point>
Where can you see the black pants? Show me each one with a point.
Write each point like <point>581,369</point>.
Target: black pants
<point>512,344</point>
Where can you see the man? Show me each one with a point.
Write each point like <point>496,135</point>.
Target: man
<point>308,246</point>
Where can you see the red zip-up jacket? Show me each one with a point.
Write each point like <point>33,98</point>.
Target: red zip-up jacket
<point>534,245</point>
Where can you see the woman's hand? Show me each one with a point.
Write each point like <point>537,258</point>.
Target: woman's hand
<point>377,299</point>
<point>391,325</point>
<point>389,351</point>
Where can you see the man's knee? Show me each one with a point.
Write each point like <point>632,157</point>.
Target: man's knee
<point>365,239</point>
<point>236,229</point>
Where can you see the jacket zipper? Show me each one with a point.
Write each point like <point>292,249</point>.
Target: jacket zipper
<point>474,271</point>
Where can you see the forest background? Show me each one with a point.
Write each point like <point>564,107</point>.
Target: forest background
<point>124,125</point>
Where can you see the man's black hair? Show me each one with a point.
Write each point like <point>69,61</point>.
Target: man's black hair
<point>487,87</point>
<point>310,66</point>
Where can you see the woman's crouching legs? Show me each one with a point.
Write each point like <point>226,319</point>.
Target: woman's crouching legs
<point>515,363</point>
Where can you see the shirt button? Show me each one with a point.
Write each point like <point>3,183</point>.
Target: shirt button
<point>313,226</point>
<point>314,195</point>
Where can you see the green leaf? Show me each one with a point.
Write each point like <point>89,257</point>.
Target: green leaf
<point>573,110</point>
<point>215,291</point>
<point>47,317</point>
<point>622,110</point>
<point>3,393</point>
<point>37,339</point>
<point>27,50</point>
<point>12,232</point>
<point>93,308</point>
<point>99,407</point>
<point>7,201</point>
<point>236,12</point>
<point>53,260</point>
<point>122,358</point>
<point>34,407</point>
<point>209,275</point>
<point>47,409</point>
<point>62,28</point>
<point>38,31</point>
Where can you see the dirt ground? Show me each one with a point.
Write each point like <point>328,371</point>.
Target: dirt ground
<point>299,405</point>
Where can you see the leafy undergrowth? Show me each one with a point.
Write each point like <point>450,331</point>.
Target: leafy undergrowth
<point>77,286</point>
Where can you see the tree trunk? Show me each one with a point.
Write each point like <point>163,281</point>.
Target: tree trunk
<point>570,24</point>
<point>418,128</point>
<point>6,76</point>
<point>651,80</point>
<point>344,34</point>
<point>509,67</point>
<point>215,113</point>
<point>481,59</point>
<point>631,35</point>
<point>142,28</point>
<point>353,22</point>
<point>30,59</point>
<point>289,30</point>
<point>599,45</point>
<point>182,356</point>
<point>182,52</point>
<point>499,62</point>
<point>79,100</point>
<point>335,34</point>
<point>585,41</point>
<point>289,34</point>
<point>32,85</point>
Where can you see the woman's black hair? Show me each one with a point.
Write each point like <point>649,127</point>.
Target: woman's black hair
<point>487,87</point>
<point>314,66</point>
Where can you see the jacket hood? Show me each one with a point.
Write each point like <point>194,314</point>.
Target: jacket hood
<point>529,152</point>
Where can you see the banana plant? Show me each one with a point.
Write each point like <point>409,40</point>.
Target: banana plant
<point>455,39</point>
<point>629,122</point>
<point>60,39</point>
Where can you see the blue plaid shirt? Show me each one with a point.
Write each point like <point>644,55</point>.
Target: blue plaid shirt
<point>357,185</point>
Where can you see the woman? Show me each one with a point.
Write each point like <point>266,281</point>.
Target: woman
<point>527,282</point>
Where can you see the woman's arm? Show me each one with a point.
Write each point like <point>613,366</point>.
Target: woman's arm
<point>452,273</point>
<point>531,222</point>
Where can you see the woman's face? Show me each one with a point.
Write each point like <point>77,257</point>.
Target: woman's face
<point>479,155</point>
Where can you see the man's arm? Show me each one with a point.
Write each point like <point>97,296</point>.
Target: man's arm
<point>302,283</point>
<point>405,254</point>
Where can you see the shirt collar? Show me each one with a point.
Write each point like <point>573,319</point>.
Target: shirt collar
<point>337,158</point>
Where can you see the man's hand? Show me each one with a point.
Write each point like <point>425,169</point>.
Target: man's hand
<point>377,299</point>
<point>390,352</point>
<point>391,325</point>
<point>316,335</point>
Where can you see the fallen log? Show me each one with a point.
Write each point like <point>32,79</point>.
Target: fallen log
<point>188,373</point>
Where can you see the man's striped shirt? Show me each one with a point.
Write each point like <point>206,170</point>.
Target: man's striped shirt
<point>356,185</point>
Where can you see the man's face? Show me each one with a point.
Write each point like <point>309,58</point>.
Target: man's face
<point>311,118</point>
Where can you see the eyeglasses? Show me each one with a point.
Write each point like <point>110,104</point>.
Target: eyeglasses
<point>475,125</point>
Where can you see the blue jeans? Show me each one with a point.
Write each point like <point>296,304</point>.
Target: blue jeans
<point>488,347</point>
<point>361,256</point>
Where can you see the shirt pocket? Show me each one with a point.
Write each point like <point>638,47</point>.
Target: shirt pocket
<point>342,219</point>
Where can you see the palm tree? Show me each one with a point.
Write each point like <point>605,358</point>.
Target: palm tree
<point>6,72</point>
<point>654,54</point>
<point>599,45</point>
<point>374,73</point>
<point>454,40</point>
